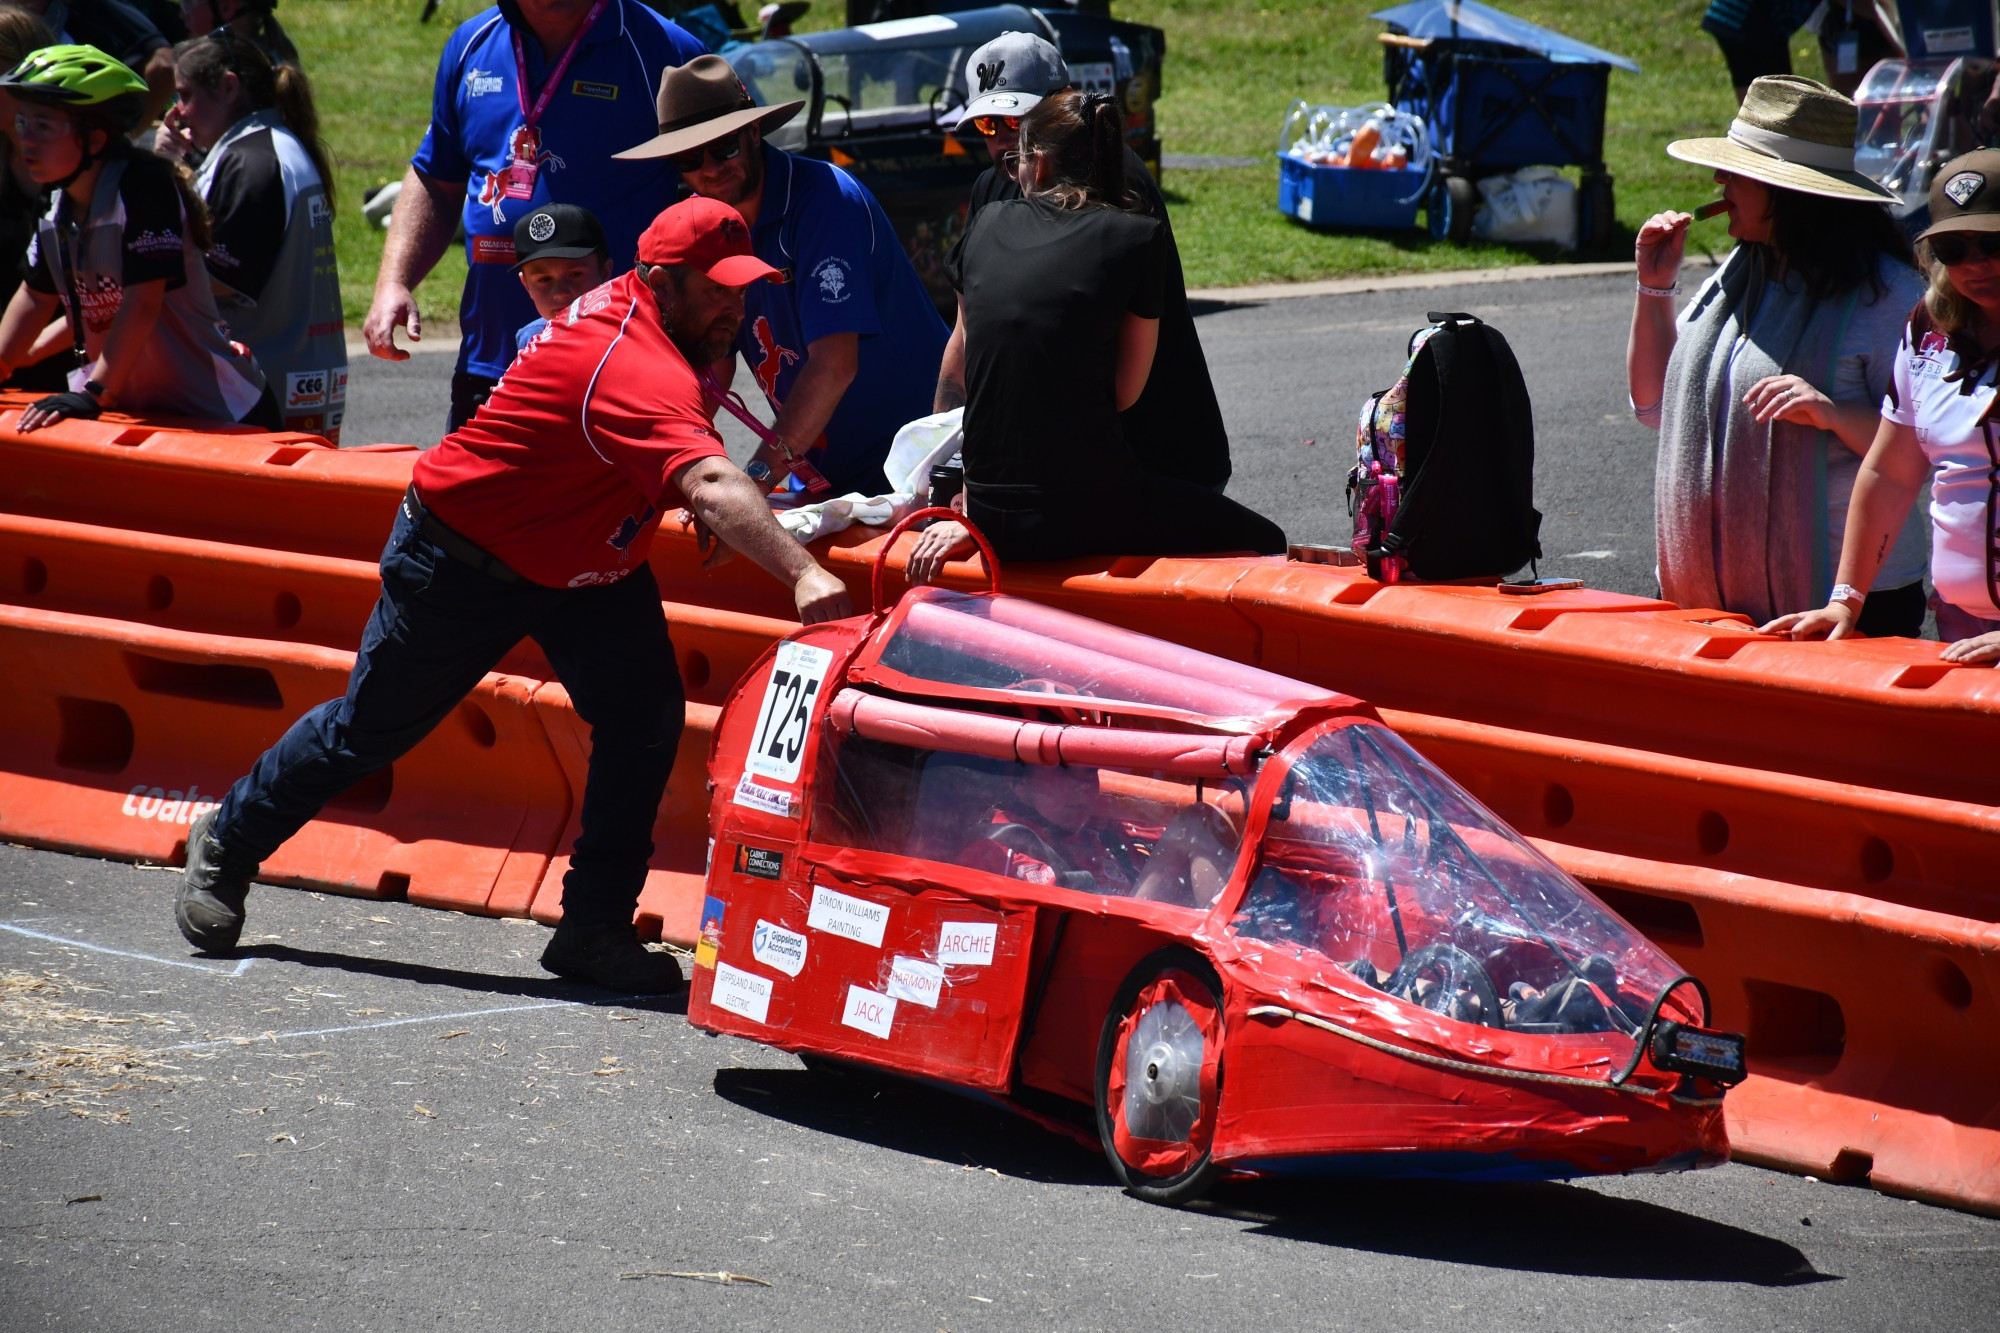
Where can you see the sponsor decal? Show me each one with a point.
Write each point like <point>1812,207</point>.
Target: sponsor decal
<point>606,92</point>
<point>493,250</point>
<point>596,576</point>
<point>752,794</point>
<point>541,226</point>
<point>479,82</point>
<point>778,741</point>
<point>1098,77</point>
<point>1004,103</point>
<point>991,76</point>
<point>101,296</point>
<point>777,948</point>
<point>167,807</point>
<point>1963,186</point>
<point>854,918</point>
<point>631,525</point>
<point>871,1011</point>
<point>710,940</point>
<point>741,992</point>
<point>319,211</point>
<point>1948,41</point>
<point>774,359</point>
<point>968,942</point>
<point>153,242</point>
<point>917,980</point>
<point>336,385</point>
<point>759,862</point>
<point>305,390</point>
<point>835,278</point>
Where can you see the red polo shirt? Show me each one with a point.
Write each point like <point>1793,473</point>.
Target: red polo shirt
<point>563,473</point>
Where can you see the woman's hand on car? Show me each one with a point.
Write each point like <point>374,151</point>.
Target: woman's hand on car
<point>1661,244</point>
<point>1978,648</point>
<point>1835,620</point>
<point>1789,398</point>
<point>939,543</point>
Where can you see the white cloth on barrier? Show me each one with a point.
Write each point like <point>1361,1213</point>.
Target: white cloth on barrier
<point>918,447</point>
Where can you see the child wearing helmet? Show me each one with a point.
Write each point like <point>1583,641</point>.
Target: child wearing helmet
<point>120,254</point>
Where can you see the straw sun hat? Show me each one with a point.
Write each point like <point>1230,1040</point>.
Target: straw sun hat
<point>1791,133</point>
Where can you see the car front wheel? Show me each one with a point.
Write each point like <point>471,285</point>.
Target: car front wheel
<point>1159,1077</point>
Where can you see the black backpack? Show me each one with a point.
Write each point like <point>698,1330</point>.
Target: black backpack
<point>1444,482</point>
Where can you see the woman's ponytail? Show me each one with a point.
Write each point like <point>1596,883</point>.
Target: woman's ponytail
<point>1083,137</point>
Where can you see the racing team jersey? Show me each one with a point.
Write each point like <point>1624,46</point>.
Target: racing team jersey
<point>277,283</point>
<point>135,231</point>
<point>563,472</point>
<point>604,106</point>
<point>1955,429</point>
<point>845,272</point>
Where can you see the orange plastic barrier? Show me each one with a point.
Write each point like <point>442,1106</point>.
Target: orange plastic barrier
<point>118,736</point>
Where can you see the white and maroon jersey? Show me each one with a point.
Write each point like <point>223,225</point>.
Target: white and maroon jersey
<point>1953,416</point>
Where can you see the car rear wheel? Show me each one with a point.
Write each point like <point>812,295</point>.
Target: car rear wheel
<point>1159,1077</point>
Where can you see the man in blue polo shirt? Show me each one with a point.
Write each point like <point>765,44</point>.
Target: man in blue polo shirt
<point>531,96</point>
<point>847,349</point>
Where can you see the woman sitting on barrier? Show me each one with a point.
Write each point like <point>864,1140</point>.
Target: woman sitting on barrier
<point>264,175</point>
<point>1936,426</point>
<point>120,252</point>
<point>1765,389</point>
<point>1060,299</point>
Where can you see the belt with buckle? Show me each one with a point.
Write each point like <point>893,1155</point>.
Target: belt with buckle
<point>455,546</point>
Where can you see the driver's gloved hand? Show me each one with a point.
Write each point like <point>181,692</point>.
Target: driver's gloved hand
<point>71,404</point>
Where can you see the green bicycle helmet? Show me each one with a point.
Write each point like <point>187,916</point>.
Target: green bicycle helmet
<point>71,75</point>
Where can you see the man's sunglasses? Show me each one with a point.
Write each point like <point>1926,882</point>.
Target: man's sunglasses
<point>722,150</point>
<point>991,125</point>
<point>1955,247</point>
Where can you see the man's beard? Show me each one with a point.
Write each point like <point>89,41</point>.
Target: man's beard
<point>713,344</point>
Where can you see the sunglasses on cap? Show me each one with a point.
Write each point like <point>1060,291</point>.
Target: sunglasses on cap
<point>1955,247</point>
<point>722,150</point>
<point>991,125</point>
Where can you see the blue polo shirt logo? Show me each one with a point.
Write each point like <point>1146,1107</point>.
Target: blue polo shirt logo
<point>835,280</point>
<point>479,82</point>
<point>774,359</point>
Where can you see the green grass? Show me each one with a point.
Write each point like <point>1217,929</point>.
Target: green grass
<point>1232,69</point>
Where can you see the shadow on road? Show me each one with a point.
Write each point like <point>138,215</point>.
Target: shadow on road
<point>1531,1228</point>
<point>1535,1228</point>
<point>534,988</point>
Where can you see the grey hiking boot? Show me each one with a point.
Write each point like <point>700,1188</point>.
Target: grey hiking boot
<point>209,907</point>
<point>612,957</point>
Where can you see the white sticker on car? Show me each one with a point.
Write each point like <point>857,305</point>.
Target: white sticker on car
<point>967,942</point>
<point>741,992</point>
<point>757,796</point>
<point>778,948</point>
<point>855,918</point>
<point>916,979</point>
<point>784,722</point>
<point>871,1011</point>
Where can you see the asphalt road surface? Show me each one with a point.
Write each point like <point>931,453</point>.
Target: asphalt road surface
<point>1291,375</point>
<point>387,1117</point>
<point>383,1116</point>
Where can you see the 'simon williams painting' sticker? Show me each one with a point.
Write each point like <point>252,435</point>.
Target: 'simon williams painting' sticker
<point>777,948</point>
<point>916,979</point>
<point>759,797</point>
<point>871,1011</point>
<point>855,918</point>
<point>967,942</point>
<point>784,721</point>
<point>741,992</point>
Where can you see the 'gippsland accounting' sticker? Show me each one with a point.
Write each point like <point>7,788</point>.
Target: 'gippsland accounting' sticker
<point>741,992</point>
<point>871,1011</point>
<point>776,947</point>
<point>759,797</point>
<point>783,723</point>
<point>967,942</point>
<point>916,979</point>
<point>855,918</point>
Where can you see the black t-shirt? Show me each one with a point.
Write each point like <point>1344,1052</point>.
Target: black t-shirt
<point>1046,290</point>
<point>247,205</point>
<point>113,27</point>
<point>1176,424</point>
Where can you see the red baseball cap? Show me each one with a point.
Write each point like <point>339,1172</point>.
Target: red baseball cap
<point>706,235</point>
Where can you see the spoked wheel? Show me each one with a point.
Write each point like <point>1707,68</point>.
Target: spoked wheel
<point>1159,1077</point>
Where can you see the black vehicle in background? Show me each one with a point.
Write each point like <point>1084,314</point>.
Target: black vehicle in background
<point>882,99</point>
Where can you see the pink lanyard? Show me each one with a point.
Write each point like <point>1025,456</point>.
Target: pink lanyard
<point>532,116</point>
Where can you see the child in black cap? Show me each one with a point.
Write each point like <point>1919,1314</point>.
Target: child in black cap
<point>560,253</point>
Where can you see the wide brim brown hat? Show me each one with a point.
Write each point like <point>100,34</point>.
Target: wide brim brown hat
<point>1791,133</point>
<point>703,101</point>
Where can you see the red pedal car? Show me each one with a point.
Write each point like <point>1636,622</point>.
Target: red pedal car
<point>1230,917</point>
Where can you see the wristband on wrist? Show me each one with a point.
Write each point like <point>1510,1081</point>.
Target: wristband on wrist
<point>95,389</point>
<point>1849,594</point>
<point>1644,290</point>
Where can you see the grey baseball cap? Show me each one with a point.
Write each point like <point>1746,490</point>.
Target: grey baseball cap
<point>1008,75</point>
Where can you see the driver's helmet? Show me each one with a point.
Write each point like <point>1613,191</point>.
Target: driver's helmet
<point>101,88</point>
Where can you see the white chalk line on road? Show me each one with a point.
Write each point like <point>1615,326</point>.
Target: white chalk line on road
<point>242,966</point>
<point>373,1027</point>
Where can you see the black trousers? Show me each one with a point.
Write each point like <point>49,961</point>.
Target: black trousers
<point>1133,515</point>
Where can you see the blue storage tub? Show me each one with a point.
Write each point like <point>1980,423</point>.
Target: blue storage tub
<point>1346,197</point>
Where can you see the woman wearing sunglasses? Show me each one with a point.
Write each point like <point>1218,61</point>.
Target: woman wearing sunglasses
<point>1936,425</point>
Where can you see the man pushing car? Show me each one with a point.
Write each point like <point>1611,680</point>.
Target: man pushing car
<point>533,520</point>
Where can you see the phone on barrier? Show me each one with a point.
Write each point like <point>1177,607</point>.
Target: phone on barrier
<point>1529,587</point>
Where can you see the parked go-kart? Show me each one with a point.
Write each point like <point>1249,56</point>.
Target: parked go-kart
<point>1229,917</point>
